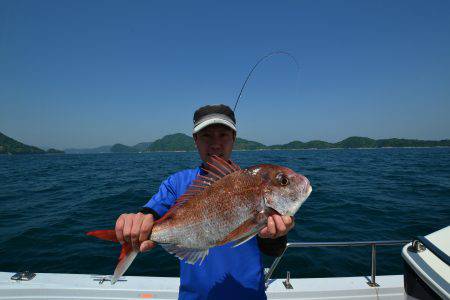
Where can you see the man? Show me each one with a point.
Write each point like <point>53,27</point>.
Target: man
<point>226,273</point>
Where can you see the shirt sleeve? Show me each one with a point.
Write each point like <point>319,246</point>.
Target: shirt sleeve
<point>272,247</point>
<point>163,200</point>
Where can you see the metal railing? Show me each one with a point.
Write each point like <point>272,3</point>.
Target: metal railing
<point>373,244</point>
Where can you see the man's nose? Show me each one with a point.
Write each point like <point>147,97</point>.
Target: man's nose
<point>215,146</point>
<point>215,142</point>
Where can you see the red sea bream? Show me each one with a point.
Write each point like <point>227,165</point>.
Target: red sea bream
<point>228,204</point>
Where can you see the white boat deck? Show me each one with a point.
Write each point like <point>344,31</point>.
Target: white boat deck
<point>79,286</point>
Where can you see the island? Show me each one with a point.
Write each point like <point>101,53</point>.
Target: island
<point>55,151</point>
<point>184,142</point>
<point>11,146</point>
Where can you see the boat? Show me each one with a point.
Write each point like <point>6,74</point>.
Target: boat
<point>427,266</point>
<point>426,276</point>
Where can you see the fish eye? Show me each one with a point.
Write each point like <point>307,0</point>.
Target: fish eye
<point>282,179</point>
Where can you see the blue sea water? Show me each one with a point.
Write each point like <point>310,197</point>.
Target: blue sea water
<point>48,202</point>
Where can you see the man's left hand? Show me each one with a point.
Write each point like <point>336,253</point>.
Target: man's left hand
<point>277,226</point>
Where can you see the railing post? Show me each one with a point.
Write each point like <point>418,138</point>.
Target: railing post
<point>274,265</point>
<point>373,283</point>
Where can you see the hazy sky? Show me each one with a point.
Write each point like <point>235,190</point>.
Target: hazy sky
<point>92,73</point>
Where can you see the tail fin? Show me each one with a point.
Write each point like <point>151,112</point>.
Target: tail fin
<point>127,255</point>
<point>108,235</point>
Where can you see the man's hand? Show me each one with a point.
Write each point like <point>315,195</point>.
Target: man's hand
<point>135,230</point>
<point>277,226</point>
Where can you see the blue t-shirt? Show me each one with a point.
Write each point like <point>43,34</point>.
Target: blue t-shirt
<point>226,273</point>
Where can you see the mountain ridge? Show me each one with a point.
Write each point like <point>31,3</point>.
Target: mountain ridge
<point>184,142</point>
<point>11,146</point>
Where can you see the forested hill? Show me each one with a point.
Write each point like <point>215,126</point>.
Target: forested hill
<point>11,146</point>
<point>184,142</point>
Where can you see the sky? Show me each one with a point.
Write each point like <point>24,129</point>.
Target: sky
<point>79,74</point>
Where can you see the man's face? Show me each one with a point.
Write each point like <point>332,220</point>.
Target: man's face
<point>215,139</point>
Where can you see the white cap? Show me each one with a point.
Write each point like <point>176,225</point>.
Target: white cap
<point>213,114</point>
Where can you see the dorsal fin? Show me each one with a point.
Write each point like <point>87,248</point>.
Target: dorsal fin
<point>218,168</point>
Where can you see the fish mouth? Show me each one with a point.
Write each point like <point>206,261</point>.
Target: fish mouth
<point>308,191</point>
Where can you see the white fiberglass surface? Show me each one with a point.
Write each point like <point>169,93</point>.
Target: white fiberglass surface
<point>79,286</point>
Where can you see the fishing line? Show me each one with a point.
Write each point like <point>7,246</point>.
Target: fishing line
<point>256,65</point>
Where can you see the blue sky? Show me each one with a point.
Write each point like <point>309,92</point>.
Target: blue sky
<point>92,73</point>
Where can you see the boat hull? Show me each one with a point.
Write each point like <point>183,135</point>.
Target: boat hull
<point>81,286</point>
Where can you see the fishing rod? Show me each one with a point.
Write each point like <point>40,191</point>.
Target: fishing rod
<point>256,65</point>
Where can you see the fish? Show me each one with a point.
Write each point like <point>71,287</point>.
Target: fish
<point>226,204</point>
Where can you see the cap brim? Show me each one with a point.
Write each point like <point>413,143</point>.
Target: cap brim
<point>212,121</point>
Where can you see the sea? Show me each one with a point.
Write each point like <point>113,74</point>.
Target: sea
<point>49,202</point>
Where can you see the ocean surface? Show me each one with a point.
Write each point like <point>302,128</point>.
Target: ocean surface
<point>48,202</point>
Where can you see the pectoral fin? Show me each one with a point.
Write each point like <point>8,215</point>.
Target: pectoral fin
<point>191,256</point>
<point>245,231</point>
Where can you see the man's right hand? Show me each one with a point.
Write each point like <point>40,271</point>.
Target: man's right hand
<point>135,229</point>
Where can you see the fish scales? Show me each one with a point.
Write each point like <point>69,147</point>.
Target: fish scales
<point>210,215</point>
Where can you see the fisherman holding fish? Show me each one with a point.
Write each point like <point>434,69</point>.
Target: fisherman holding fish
<point>217,218</point>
